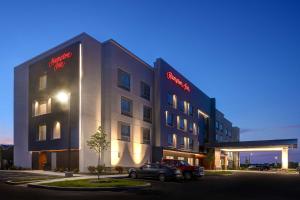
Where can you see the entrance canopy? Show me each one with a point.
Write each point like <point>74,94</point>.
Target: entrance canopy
<point>259,145</point>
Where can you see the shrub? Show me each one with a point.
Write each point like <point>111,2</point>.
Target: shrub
<point>100,168</point>
<point>76,171</point>
<point>92,169</point>
<point>119,169</point>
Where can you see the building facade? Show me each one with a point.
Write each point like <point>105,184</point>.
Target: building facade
<point>148,112</point>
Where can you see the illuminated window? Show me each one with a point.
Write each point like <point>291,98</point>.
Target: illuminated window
<point>145,91</point>
<point>146,135</point>
<point>125,132</point>
<point>147,114</point>
<point>195,129</point>
<point>42,133</point>
<point>191,161</point>
<point>56,131</point>
<point>196,162</point>
<point>170,157</point>
<point>41,107</point>
<point>174,101</point>
<point>180,158</point>
<point>169,118</point>
<point>123,80</point>
<point>42,82</point>
<point>126,106</point>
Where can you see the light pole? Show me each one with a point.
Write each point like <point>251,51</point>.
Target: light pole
<point>65,98</point>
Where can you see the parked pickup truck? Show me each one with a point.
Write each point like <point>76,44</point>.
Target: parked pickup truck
<point>188,171</point>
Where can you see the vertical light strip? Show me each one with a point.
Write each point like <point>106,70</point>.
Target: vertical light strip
<point>80,79</point>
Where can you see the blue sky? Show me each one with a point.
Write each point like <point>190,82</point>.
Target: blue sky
<point>244,53</point>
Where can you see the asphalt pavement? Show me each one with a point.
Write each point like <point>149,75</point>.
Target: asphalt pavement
<point>254,186</point>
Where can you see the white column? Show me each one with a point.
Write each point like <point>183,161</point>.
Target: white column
<point>285,158</point>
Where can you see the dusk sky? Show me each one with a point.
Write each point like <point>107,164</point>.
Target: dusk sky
<point>246,54</point>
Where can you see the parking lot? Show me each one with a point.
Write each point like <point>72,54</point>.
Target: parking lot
<point>240,185</point>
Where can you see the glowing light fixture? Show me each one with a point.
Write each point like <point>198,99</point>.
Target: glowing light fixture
<point>62,97</point>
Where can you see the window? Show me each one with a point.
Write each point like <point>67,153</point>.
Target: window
<point>170,99</point>
<point>226,132</point>
<point>125,132</point>
<point>195,129</point>
<point>191,143</point>
<point>174,101</point>
<point>190,109</point>
<point>56,131</point>
<point>217,125</point>
<point>196,162</point>
<point>181,106</point>
<point>191,126</point>
<point>42,82</point>
<point>180,158</point>
<point>181,142</point>
<point>145,91</point>
<point>126,106</point>
<point>181,123</point>
<point>41,107</point>
<point>123,80</point>
<point>191,161</point>
<point>169,118</point>
<point>147,114</point>
<point>170,140</point>
<point>221,127</point>
<point>170,157</point>
<point>42,133</point>
<point>146,135</point>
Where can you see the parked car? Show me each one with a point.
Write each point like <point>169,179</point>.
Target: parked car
<point>157,171</point>
<point>262,167</point>
<point>187,170</point>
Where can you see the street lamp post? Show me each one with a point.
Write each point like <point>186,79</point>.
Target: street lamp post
<point>65,97</point>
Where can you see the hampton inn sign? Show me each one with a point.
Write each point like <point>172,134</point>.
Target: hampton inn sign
<point>177,81</point>
<point>58,62</point>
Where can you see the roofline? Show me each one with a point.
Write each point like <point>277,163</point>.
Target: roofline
<point>128,52</point>
<point>74,39</point>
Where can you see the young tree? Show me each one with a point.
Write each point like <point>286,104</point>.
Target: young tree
<point>99,144</point>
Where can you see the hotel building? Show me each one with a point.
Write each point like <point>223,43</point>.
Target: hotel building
<point>148,112</point>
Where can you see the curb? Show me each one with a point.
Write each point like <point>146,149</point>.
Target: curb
<point>34,185</point>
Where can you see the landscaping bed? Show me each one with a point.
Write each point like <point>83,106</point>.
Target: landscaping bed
<point>94,184</point>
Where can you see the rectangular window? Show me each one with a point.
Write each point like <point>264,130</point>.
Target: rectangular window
<point>125,132</point>
<point>146,135</point>
<point>181,142</point>
<point>42,82</point>
<point>191,126</point>
<point>170,99</point>
<point>190,109</point>
<point>191,161</point>
<point>42,133</point>
<point>226,132</point>
<point>170,140</point>
<point>195,129</point>
<point>217,125</point>
<point>196,162</point>
<point>170,157</point>
<point>126,106</point>
<point>181,106</point>
<point>169,118</point>
<point>147,114</point>
<point>41,107</point>
<point>123,80</point>
<point>180,158</point>
<point>56,131</point>
<point>145,91</point>
<point>174,101</point>
<point>191,143</point>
